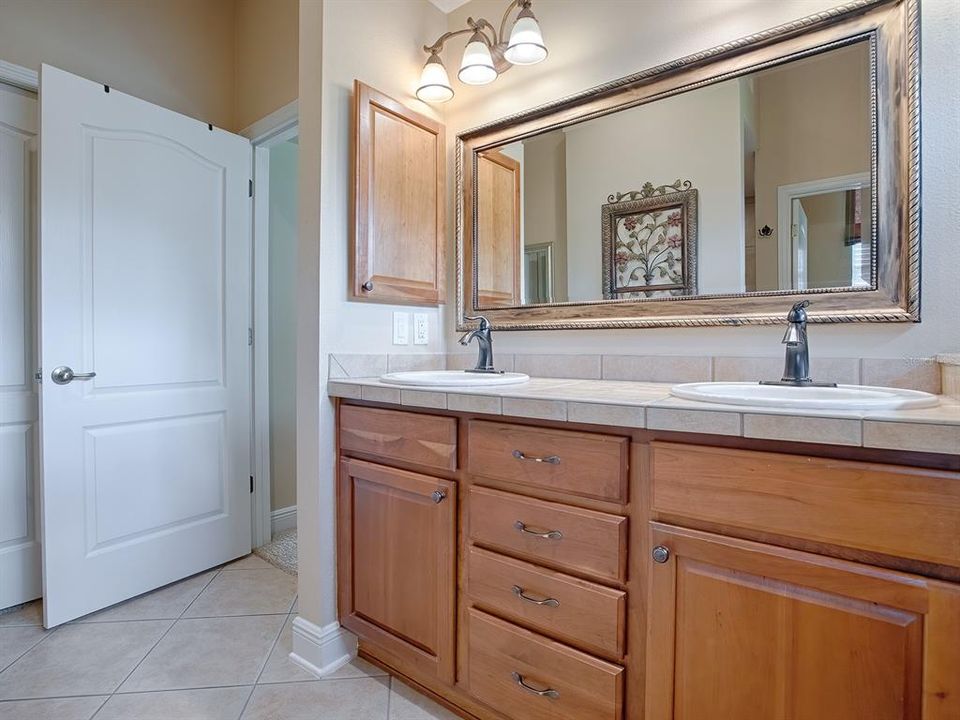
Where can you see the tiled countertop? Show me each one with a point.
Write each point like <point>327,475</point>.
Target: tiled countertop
<point>650,405</point>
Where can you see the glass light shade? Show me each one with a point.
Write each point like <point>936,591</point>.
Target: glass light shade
<point>434,84</point>
<point>477,68</point>
<point>526,42</point>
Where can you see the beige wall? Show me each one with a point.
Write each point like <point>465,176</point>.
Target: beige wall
<point>266,58</point>
<point>594,42</point>
<point>813,123</point>
<point>545,202</point>
<point>283,326</point>
<point>175,53</point>
<point>382,49</point>
<point>694,136</point>
<point>337,44</point>
<point>227,62</point>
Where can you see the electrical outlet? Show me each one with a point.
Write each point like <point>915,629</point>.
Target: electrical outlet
<point>421,328</point>
<point>401,328</point>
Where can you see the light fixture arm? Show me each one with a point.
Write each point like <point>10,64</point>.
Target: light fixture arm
<point>481,25</point>
<point>522,4</point>
<point>437,47</point>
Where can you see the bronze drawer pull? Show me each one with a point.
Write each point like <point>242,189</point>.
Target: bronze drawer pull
<point>550,459</point>
<point>546,535</point>
<point>519,680</point>
<point>547,602</point>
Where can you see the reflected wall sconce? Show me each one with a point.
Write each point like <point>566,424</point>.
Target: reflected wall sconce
<point>488,53</point>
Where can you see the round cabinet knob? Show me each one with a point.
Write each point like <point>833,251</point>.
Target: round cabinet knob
<point>438,496</point>
<point>661,554</point>
<point>368,285</point>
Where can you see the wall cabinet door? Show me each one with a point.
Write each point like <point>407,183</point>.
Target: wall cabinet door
<point>397,564</point>
<point>744,630</point>
<point>399,161</point>
<point>498,230</point>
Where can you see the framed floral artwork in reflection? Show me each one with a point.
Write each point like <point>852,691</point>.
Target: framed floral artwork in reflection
<point>649,240</point>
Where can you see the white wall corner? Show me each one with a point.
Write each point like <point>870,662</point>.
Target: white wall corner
<point>322,650</point>
<point>283,519</point>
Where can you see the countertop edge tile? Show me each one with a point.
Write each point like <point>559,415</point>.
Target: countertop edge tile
<point>424,399</point>
<point>650,405</point>
<point>807,428</point>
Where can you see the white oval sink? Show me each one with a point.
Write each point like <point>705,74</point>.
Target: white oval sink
<point>842,397</point>
<point>453,378</point>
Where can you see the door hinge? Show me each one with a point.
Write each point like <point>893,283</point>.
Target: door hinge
<point>38,376</point>
<point>250,336</point>
<point>250,190</point>
<point>251,484</point>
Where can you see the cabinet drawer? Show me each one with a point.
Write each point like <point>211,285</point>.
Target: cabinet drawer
<point>586,541</point>
<point>899,511</point>
<point>576,611</point>
<point>428,440</point>
<point>584,464</point>
<point>576,686</point>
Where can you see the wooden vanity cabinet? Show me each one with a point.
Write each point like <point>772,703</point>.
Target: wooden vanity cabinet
<point>595,574</point>
<point>740,629</point>
<point>397,563</point>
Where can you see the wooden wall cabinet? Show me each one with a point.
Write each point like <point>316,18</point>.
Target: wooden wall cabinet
<point>399,192</point>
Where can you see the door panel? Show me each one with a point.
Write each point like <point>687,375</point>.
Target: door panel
<point>19,546</point>
<point>834,638</point>
<point>154,268</point>
<point>145,280</point>
<point>498,229</point>
<point>397,563</point>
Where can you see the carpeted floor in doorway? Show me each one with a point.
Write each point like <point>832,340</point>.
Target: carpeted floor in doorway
<point>281,551</point>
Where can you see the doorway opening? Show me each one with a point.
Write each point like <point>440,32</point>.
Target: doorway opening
<point>276,154</point>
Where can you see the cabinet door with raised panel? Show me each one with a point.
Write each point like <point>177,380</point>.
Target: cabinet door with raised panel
<point>498,230</point>
<point>397,564</point>
<point>399,161</point>
<point>740,629</point>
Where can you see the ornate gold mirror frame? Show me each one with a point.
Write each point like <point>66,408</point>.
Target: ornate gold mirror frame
<point>892,28</point>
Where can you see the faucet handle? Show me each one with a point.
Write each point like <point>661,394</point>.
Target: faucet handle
<point>484,323</point>
<point>797,313</point>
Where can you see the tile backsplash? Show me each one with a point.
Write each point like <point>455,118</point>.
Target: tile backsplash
<point>910,373</point>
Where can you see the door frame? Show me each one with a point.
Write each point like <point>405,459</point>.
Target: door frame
<point>18,76</point>
<point>23,78</point>
<point>277,127</point>
<point>785,197</point>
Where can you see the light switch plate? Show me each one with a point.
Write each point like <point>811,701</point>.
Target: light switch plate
<point>401,328</point>
<point>421,328</point>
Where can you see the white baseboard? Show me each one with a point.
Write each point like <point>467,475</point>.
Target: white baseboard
<point>322,650</point>
<point>283,519</point>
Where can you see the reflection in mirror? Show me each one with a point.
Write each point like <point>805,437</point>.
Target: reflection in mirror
<point>754,184</point>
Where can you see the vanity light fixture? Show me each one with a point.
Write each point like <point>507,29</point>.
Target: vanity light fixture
<point>488,53</point>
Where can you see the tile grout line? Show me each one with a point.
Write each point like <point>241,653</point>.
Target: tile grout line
<point>154,646</point>
<point>266,659</point>
<point>18,657</point>
<point>389,694</point>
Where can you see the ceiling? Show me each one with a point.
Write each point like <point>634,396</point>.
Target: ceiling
<point>449,5</point>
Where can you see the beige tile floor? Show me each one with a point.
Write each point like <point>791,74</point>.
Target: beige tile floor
<point>211,647</point>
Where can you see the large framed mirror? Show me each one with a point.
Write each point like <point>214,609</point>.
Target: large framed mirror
<point>717,189</point>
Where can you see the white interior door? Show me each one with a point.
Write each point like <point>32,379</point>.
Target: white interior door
<point>19,546</point>
<point>799,236</point>
<point>144,280</point>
